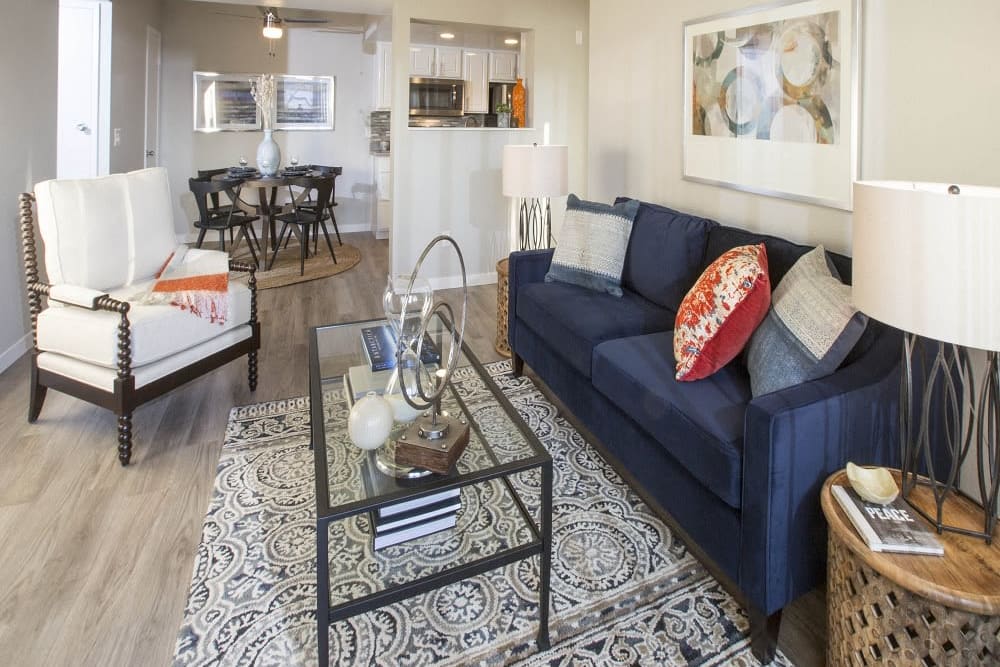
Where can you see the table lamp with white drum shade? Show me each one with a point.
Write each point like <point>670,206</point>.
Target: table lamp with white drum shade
<point>925,260</point>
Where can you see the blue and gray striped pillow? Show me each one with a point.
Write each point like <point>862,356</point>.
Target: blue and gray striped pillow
<point>592,245</point>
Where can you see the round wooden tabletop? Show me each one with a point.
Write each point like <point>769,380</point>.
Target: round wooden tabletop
<point>967,577</point>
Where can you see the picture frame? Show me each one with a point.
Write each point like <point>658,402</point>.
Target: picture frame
<point>223,103</point>
<point>771,100</point>
<point>304,102</point>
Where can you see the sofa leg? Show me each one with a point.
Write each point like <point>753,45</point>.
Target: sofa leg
<point>36,397</point>
<point>125,438</point>
<point>252,363</point>
<point>764,635</point>
<point>517,364</point>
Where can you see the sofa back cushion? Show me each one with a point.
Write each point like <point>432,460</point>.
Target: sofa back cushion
<point>665,253</point>
<point>105,232</point>
<point>781,254</point>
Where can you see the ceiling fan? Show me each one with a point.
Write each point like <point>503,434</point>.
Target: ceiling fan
<point>272,22</point>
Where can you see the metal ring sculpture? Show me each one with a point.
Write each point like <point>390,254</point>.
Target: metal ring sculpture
<point>457,333</point>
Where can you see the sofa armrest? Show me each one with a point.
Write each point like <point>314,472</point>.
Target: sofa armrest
<point>525,266</point>
<point>793,440</point>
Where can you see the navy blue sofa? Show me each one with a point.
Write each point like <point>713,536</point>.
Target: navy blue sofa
<point>740,476</point>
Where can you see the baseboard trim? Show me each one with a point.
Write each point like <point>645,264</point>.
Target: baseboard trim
<point>449,282</point>
<point>14,352</point>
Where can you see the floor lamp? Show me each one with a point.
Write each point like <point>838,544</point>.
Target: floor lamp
<point>925,261</point>
<point>534,174</point>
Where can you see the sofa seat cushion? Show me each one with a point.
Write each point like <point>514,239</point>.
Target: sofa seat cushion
<point>574,319</point>
<point>158,331</point>
<point>698,423</point>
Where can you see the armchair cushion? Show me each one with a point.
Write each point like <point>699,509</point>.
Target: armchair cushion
<point>106,232</point>
<point>158,331</point>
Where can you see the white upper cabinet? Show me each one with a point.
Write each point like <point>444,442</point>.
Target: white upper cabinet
<point>442,62</point>
<point>449,62</point>
<point>503,66</point>
<point>422,61</point>
<point>474,68</point>
<point>383,88</point>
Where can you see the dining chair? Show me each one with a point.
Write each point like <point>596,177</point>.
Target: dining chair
<point>210,219</point>
<point>334,172</point>
<point>303,219</point>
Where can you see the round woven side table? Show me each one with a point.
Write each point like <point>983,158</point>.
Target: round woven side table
<point>503,281</point>
<point>905,609</point>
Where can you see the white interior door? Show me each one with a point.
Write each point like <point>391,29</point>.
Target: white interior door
<point>152,135</point>
<point>78,89</point>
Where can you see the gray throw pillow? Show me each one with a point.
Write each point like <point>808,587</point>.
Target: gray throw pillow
<point>592,245</point>
<point>809,330</point>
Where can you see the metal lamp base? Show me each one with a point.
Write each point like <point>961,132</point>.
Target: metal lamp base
<point>966,426</point>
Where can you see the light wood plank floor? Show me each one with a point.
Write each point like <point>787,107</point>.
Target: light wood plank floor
<point>95,560</point>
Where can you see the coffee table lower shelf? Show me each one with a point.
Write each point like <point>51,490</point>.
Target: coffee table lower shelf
<point>540,545</point>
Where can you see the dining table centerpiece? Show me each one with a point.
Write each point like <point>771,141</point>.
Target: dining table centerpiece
<point>263,89</point>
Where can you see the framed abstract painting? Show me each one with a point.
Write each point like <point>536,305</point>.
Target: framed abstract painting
<point>771,100</point>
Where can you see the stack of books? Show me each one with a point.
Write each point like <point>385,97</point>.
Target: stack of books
<point>379,344</point>
<point>409,519</point>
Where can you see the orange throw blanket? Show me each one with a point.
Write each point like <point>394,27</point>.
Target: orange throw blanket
<point>196,281</point>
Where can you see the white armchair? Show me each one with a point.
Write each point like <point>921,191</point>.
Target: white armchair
<point>104,240</point>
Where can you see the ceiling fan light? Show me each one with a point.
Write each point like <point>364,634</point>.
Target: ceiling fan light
<point>447,35</point>
<point>272,28</point>
<point>510,41</point>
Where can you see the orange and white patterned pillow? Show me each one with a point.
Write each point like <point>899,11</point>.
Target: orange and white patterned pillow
<point>719,314</point>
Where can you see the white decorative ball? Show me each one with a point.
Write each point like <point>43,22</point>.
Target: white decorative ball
<point>370,421</point>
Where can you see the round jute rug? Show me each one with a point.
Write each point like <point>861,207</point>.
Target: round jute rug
<point>286,267</point>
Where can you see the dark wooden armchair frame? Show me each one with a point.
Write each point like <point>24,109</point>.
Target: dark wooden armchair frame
<point>126,397</point>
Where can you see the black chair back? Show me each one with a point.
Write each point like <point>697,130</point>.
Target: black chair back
<point>322,185</point>
<point>202,188</point>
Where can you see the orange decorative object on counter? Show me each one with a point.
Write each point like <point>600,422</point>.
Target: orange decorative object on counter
<point>517,102</point>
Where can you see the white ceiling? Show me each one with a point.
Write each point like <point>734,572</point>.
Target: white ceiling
<point>342,6</point>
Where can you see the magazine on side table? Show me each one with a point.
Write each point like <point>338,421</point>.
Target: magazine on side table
<point>893,527</point>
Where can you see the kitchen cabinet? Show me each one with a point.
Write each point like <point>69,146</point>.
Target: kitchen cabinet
<point>422,61</point>
<point>448,62</point>
<point>474,71</point>
<point>383,88</point>
<point>441,62</point>
<point>503,66</point>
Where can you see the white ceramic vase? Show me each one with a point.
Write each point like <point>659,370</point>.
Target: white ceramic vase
<point>370,421</point>
<point>268,155</point>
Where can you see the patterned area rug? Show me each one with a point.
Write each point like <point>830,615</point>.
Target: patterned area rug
<point>624,590</point>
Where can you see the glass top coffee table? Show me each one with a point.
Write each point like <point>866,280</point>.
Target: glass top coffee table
<point>501,447</point>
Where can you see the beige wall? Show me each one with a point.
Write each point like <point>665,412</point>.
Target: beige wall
<point>28,74</point>
<point>925,108</point>
<point>449,181</point>
<point>129,19</point>
<point>197,38</point>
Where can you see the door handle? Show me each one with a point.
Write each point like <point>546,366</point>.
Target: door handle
<point>150,153</point>
<point>83,127</point>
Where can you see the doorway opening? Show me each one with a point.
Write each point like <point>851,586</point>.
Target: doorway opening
<point>83,117</point>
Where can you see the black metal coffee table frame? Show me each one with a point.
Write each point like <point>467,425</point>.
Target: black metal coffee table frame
<point>541,542</point>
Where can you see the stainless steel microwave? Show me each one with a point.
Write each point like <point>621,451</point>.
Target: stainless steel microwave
<point>436,97</point>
